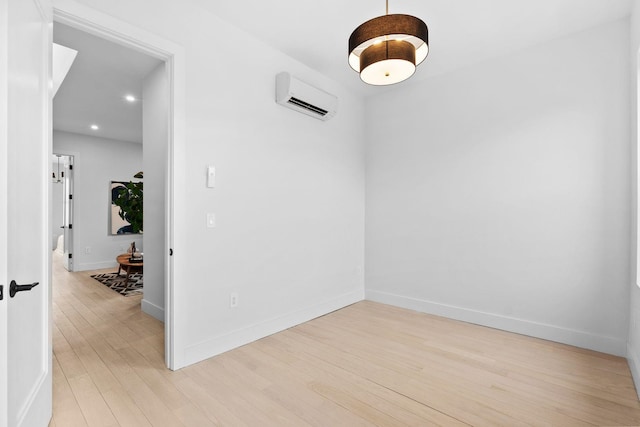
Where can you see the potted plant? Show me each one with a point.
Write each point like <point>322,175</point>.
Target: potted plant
<point>129,198</point>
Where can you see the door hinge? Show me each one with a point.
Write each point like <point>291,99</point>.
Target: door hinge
<point>70,226</point>
<point>170,251</point>
<point>70,196</point>
<point>1,292</point>
<point>71,167</point>
<point>70,256</point>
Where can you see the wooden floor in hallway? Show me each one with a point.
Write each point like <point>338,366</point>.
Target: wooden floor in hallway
<point>368,364</point>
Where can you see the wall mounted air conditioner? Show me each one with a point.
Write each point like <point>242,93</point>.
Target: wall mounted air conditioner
<point>304,98</point>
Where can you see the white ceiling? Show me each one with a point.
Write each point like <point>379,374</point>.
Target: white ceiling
<point>93,91</point>
<point>461,33</point>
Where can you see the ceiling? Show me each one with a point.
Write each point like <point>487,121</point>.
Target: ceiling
<point>461,33</point>
<point>94,90</point>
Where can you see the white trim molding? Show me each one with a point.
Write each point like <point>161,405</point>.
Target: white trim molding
<point>634,366</point>
<point>239,337</point>
<point>559,334</point>
<point>152,309</point>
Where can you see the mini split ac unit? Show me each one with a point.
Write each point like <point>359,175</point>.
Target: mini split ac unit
<point>304,98</point>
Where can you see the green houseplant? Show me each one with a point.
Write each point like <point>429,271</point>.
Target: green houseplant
<point>129,198</point>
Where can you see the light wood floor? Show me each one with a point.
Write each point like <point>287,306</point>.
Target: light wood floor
<point>368,364</point>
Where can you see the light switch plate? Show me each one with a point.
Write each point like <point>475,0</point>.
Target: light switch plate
<point>211,177</point>
<point>211,220</point>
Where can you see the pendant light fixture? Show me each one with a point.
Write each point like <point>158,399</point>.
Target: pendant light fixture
<point>386,50</point>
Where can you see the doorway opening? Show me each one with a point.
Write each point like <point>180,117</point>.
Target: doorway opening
<point>99,124</point>
<point>62,208</point>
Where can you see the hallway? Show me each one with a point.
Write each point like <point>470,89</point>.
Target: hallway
<point>106,353</point>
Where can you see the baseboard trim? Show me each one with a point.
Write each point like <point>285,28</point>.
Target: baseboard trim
<point>559,334</point>
<point>239,337</point>
<point>634,365</point>
<point>95,266</point>
<point>152,310</point>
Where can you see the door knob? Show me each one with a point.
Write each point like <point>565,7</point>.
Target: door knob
<point>14,288</point>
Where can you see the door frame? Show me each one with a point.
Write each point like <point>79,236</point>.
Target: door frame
<point>109,28</point>
<point>69,243</point>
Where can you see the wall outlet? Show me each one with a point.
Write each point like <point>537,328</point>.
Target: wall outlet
<point>233,299</point>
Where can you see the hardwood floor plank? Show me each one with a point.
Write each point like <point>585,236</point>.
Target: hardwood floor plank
<point>191,416</point>
<point>215,411</point>
<point>151,405</point>
<point>246,402</point>
<point>291,388</point>
<point>441,397</point>
<point>126,412</point>
<point>93,406</point>
<point>97,370</point>
<point>164,389</point>
<point>66,411</point>
<point>70,365</point>
<point>405,410</point>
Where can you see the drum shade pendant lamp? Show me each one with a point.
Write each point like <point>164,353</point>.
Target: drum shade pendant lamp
<point>386,50</point>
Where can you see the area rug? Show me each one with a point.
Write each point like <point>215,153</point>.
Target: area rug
<point>117,283</point>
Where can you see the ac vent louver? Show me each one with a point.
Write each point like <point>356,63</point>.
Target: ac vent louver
<point>304,98</point>
<point>306,105</point>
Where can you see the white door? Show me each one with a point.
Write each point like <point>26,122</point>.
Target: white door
<point>25,168</point>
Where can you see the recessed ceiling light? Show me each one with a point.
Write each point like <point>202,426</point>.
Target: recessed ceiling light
<point>130,98</point>
<point>95,127</point>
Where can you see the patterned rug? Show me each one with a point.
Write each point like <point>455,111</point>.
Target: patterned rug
<point>115,282</point>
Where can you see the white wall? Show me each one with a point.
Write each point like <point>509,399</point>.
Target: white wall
<point>289,197</point>
<point>633,347</point>
<point>499,194</point>
<point>98,161</point>
<point>155,136</point>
